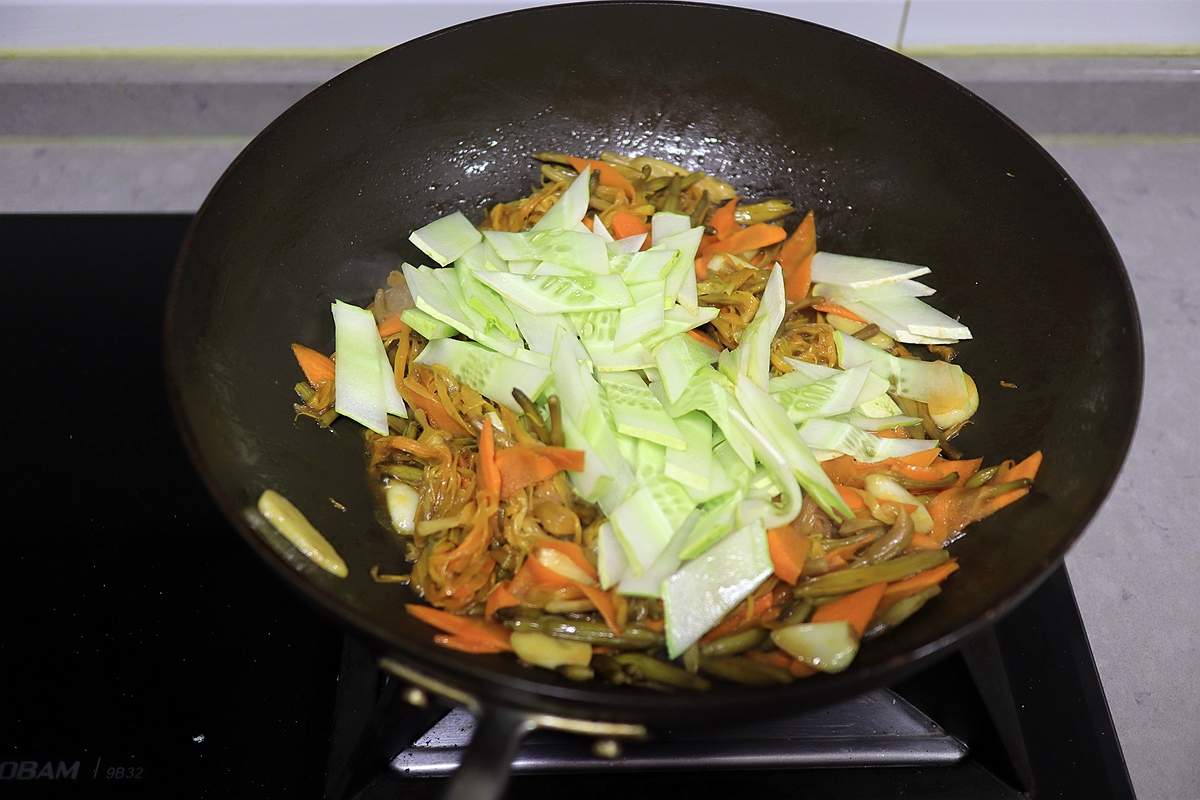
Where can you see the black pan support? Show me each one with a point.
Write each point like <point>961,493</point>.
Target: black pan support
<point>897,162</point>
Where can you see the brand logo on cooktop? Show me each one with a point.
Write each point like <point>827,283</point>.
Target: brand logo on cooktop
<point>38,770</point>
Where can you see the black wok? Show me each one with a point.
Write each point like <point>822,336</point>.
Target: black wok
<point>898,162</point>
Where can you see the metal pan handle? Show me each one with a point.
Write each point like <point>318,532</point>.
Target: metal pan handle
<point>483,773</point>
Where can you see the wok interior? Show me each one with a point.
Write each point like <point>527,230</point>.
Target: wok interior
<point>897,162</point>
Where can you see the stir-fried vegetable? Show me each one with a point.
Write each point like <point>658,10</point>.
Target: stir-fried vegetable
<point>651,434</point>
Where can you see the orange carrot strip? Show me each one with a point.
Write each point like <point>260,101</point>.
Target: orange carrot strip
<point>624,225</point>
<point>756,237</point>
<point>590,223</point>
<point>521,467</point>
<point>918,583</point>
<point>316,366</point>
<point>843,471</point>
<point>456,625</point>
<point>852,498</point>
<point>798,282</point>
<point>920,541</point>
<point>489,473</point>
<point>705,340</point>
<point>723,220</point>
<point>562,457</point>
<point>604,604</point>
<point>501,597</point>
<point>856,608</point>
<point>795,259</point>
<point>468,644</point>
<point>836,310</point>
<point>736,620</point>
<point>1026,469</point>
<point>701,265</point>
<point>608,174</point>
<point>788,549</point>
<point>659,625</point>
<point>391,326</point>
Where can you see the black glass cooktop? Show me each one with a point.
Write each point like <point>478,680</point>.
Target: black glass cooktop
<point>146,652</point>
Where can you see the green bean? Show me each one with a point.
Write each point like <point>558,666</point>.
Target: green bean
<point>913,483</point>
<point>866,332</point>
<point>766,211</point>
<point>648,668</point>
<point>833,544</point>
<point>849,580</point>
<point>403,472</point>
<point>557,437</point>
<point>982,477</point>
<point>533,415</point>
<point>857,525</point>
<point>886,547</point>
<point>796,611</point>
<point>553,158</point>
<point>701,210</point>
<point>734,643</point>
<point>896,613</point>
<point>691,178</point>
<point>631,638</point>
<point>673,190</point>
<point>746,671</point>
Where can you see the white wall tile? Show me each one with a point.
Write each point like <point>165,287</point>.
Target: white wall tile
<point>938,23</point>
<point>330,23</point>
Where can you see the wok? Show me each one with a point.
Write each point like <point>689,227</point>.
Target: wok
<point>897,161</point>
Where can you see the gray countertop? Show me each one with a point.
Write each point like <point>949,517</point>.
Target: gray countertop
<point>143,135</point>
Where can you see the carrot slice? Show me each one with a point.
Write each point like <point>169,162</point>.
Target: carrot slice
<point>736,620</point>
<point>624,225</point>
<point>316,366</point>
<point>489,473</point>
<point>921,541</point>
<point>605,605</point>
<point>756,237</point>
<point>521,467</point>
<point>705,340</point>
<point>795,258</point>
<point>469,644</point>
<point>788,549</point>
<point>501,597</point>
<point>856,608</point>
<point>838,311</point>
<point>391,326</point>
<point>1026,469</point>
<point>470,628</point>
<point>609,176</point>
<point>723,221</point>
<point>852,498</point>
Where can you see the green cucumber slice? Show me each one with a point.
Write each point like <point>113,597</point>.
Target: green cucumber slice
<point>707,588</point>
<point>445,239</point>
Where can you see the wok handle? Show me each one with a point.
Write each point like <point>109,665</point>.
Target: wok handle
<point>483,773</point>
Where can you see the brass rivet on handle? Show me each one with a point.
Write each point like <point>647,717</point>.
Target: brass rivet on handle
<point>415,697</point>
